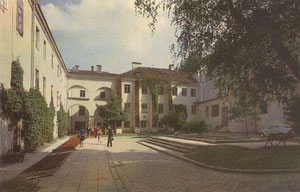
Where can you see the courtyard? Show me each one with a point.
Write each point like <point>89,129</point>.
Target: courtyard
<point>129,166</point>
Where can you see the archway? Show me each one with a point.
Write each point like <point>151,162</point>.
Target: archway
<point>79,117</point>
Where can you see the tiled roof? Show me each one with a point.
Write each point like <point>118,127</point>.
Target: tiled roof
<point>176,75</point>
<point>92,73</point>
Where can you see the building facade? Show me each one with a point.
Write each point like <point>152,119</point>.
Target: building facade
<point>25,36</point>
<point>89,89</point>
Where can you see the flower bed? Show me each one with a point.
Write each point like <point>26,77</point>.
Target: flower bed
<point>68,145</point>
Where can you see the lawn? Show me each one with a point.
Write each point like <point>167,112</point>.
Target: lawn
<point>234,157</point>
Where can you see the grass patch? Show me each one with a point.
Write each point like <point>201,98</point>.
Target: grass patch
<point>143,140</point>
<point>17,185</point>
<point>235,157</point>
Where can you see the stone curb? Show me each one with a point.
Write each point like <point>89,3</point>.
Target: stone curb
<point>216,141</point>
<point>220,169</point>
<point>115,173</point>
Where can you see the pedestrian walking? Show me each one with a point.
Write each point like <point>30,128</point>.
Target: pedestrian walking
<point>99,133</point>
<point>89,132</point>
<point>82,136</point>
<point>96,130</point>
<point>110,137</point>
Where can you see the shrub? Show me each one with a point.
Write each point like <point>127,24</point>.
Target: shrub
<point>293,112</point>
<point>175,120</point>
<point>195,126</point>
<point>62,122</point>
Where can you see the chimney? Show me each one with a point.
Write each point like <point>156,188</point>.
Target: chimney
<point>92,67</point>
<point>76,68</point>
<point>136,65</point>
<point>99,68</point>
<point>171,67</point>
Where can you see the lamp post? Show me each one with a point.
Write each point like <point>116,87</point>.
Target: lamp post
<point>33,3</point>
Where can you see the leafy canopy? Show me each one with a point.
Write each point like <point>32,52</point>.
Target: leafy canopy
<point>248,48</point>
<point>112,111</point>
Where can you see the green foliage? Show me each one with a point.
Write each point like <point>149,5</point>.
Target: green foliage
<point>249,49</point>
<point>195,126</point>
<point>18,184</point>
<point>63,122</point>
<point>180,109</point>
<point>293,112</point>
<point>36,121</point>
<point>175,120</point>
<point>112,111</point>
<point>154,81</point>
<point>12,100</point>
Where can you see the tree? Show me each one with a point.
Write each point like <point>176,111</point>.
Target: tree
<point>174,119</point>
<point>248,48</point>
<point>112,111</point>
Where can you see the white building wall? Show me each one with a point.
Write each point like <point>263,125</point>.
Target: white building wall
<point>13,46</point>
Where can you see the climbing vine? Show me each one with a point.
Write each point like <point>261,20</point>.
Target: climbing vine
<point>62,122</point>
<point>155,82</point>
<point>30,107</point>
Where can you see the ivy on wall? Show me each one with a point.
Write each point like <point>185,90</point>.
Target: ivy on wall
<point>30,107</point>
<point>63,122</point>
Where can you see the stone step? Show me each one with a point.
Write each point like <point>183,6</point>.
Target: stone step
<point>175,144</point>
<point>167,146</point>
<point>184,144</point>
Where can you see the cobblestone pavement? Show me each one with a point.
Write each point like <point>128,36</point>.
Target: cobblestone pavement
<point>86,169</point>
<point>144,169</point>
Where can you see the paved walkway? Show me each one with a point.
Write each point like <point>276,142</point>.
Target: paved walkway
<point>12,170</point>
<point>88,168</point>
<point>144,169</point>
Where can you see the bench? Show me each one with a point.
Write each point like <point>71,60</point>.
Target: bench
<point>281,138</point>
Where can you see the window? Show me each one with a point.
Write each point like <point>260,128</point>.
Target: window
<point>143,124</point>
<point>127,107</point>
<point>174,91</point>
<point>183,92</point>
<point>57,99</point>
<point>215,110</point>
<point>102,95</point>
<point>44,50</point>
<point>52,60</point>
<point>144,108</point>
<point>82,93</point>
<point>3,4</point>
<point>263,108</point>
<point>20,17</point>
<point>126,88</point>
<point>37,79</point>
<point>161,90</point>
<point>207,111</point>
<point>161,108</point>
<point>81,110</point>
<point>193,92</point>
<point>58,70</point>
<point>37,38</point>
<point>127,124</point>
<point>194,108</point>
<point>144,90</point>
<point>44,86</point>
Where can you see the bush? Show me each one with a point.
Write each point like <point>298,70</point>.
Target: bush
<point>175,120</point>
<point>62,122</point>
<point>293,113</point>
<point>195,126</point>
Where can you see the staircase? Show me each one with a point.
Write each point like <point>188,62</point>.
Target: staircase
<point>172,145</point>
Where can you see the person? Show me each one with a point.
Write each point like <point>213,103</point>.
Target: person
<point>99,133</point>
<point>110,137</point>
<point>82,136</point>
<point>89,132</point>
<point>96,131</point>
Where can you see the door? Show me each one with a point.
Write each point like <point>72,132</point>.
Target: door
<point>224,116</point>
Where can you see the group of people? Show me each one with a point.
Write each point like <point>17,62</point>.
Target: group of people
<point>96,132</point>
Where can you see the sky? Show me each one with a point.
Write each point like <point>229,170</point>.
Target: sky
<point>107,33</point>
